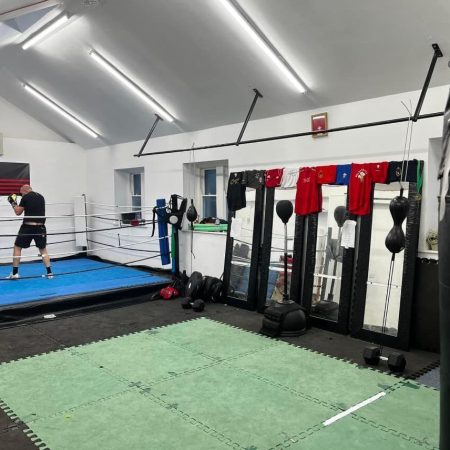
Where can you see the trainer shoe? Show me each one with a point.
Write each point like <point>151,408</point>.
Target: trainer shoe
<point>13,277</point>
<point>49,276</point>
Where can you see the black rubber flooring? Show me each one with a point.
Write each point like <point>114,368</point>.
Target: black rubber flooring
<point>45,336</point>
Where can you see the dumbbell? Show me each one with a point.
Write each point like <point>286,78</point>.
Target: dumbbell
<point>196,305</point>
<point>395,361</point>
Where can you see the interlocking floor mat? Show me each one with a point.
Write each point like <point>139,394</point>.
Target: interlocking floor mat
<point>202,384</point>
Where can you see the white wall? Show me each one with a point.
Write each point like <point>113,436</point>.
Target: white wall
<point>164,172</point>
<point>14,123</point>
<point>58,171</point>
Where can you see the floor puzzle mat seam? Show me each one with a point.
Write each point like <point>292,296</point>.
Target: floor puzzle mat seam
<point>93,342</point>
<point>294,439</point>
<point>193,421</point>
<point>294,391</point>
<point>283,387</point>
<point>35,439</point>
<point>154,382</point>
<point>393,432</point>
<point>145,391</point>
<point>10,413</point>
<point>309,350</point>
<point>188,347</point>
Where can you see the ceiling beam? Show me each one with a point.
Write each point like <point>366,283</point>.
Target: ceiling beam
<point>29,7</point>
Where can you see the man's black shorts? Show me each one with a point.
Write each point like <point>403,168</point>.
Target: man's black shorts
<point>28,233</point>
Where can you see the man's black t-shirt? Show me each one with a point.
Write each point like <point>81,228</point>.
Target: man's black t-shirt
<point>34,205</point>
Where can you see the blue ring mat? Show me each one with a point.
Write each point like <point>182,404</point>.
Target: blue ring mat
<point>102,278</point>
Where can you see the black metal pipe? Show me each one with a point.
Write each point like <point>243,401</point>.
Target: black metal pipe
<point>437,54</point>
<point>295,135</point>
<point>444,314</point>
<point>444,285</point>
<point>244,126</point>
<point>149,135</point>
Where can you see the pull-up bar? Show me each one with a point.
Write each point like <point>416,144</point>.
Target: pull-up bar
<point>436,54</point>
<point>296,135</point>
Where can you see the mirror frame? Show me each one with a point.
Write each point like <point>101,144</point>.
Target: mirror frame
<point>364,233</point>
<point>252,290</point>
<point>306,273</point>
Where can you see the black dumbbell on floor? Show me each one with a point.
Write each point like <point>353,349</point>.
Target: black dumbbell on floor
<point>196,305</point>
<point>395,361</point>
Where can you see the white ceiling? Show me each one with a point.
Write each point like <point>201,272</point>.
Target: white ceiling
<point>197,62</point>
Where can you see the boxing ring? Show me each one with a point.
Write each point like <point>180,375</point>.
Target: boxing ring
<point>97,258</point>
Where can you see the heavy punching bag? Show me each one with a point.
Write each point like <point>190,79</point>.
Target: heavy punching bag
<point>284,317</point>
<point>444,281</point>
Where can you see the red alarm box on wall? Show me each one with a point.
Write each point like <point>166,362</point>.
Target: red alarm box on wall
<point>319,122</point>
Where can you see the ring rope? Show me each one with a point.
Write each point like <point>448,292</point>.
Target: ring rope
<point>9,219</point>
<point>84,270</point>
<point>47,204</point>
<point>134,249</point>
<point>115,236</point>
<point>88,230</point>
<point>48,243</point>
<point>93,250</point>
<point>123,206</point>
<point>107,219</point>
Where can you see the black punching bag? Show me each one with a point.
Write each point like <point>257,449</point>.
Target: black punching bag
<point>285,317</point>
<point>444,283</point>
<point>395,240</point>
<point>284,209</point>
<point>191,213</point>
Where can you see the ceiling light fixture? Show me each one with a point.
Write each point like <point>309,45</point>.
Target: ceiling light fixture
<point>43,98</point>
<point>41,34</point>
<point>131,85</point>
<point>269,49</point>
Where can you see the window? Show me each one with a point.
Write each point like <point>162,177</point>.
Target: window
<point>209,200</point>
<point>205,183</point>
<point>129,193</point>
<point>136,193</point>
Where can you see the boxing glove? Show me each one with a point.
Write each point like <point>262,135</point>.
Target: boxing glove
<point>12,199</point>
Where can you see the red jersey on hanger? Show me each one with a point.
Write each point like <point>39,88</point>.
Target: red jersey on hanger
<point>273,177</point>
<point>308,198</point>
<point>362,178</point>
<point>326,174</point>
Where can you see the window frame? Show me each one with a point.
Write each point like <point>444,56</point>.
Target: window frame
<point>194,185</point>
<point>133,195</point>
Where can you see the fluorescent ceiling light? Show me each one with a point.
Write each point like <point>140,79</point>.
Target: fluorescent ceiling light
<point>131,85</point>
<point>60,110</point>
<point>250,27</point>
<point>45,32</point>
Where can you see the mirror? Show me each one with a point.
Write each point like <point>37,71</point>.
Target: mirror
<point>242,248</point>
<point>275,282</point>
<point>329,254</point>
<point>379,263</point>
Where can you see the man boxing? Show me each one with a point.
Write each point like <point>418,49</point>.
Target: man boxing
<point>33,204</point>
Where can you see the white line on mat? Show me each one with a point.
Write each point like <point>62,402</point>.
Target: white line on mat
<point>353,408</point>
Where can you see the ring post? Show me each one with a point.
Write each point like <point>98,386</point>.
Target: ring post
<point>163,231</point>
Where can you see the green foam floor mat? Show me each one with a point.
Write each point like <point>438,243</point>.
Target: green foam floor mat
<point>349,434</point>
<point>412,409</point>
<point>202,384</point>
